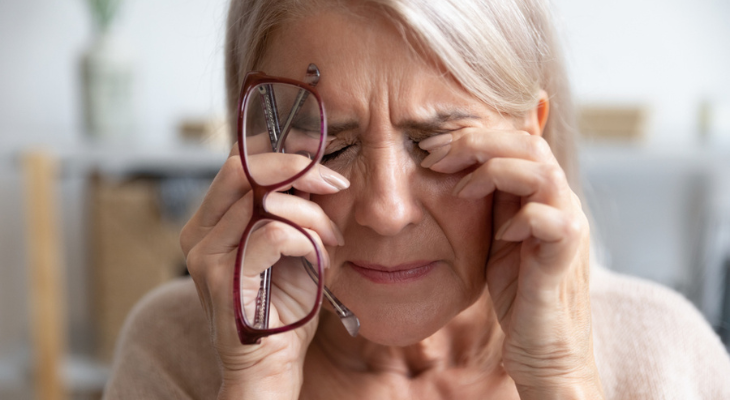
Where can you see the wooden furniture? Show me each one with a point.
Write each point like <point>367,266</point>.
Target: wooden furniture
<point>47,290</point>
<point>133,249</point>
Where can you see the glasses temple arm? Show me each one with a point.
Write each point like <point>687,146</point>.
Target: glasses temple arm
<point>271,114</point>
<point>348,319</point>
<point>263,301</point>
<point>312,78</point>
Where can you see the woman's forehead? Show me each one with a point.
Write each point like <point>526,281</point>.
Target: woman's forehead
<point>336,42</point>
<point>364,64</point>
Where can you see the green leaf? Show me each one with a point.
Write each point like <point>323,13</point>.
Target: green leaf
<point>104,11</point>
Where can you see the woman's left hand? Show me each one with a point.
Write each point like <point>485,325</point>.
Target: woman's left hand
<point>538,266</point>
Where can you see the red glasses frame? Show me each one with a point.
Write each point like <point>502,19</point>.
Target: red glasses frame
<point>246,333</point>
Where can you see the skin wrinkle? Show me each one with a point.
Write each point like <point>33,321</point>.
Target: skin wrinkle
<point>431,335</point>
<point>443,226</point>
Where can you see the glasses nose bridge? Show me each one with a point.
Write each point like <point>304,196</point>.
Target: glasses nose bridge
<point>260,194</point>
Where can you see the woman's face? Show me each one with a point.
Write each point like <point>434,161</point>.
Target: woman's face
<point>414,255</point>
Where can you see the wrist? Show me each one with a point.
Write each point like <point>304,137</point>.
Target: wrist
<point>262,382</point>
<point>273,387</point>
<point>572,393</point>
<point>585,389</point>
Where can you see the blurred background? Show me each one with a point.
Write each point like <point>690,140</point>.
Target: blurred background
<point>111,127</point>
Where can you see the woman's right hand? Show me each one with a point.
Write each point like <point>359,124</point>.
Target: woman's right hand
<point>273,368</point>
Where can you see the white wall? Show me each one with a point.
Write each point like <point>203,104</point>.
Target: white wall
<point>178,46</point>
<point>668,54</point>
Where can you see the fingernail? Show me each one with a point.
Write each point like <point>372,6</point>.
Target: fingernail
<point>503,229</point>
<point>464,181</point>
<point>338,234</point>
<point>435,156</point>
<point>436,141</point>
<point>333,178</point>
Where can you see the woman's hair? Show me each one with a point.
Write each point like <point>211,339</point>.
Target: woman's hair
<point>500,51</point>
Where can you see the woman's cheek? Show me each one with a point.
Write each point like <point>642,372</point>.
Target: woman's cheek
<point>468,227</point>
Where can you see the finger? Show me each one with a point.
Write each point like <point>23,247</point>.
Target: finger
<point>272,240</point>
<point>226,235</point>
<point>258,143</point>
<point>504,207</point>
<point>275,168</point>
<point>536,182</point>
<point>231,183</point>
<point>216,279</point>
<point>307,214</point>
<point>200,287</point>
<point>550,237</point>
<point>293,288</point>
<point>265,249</point>
<point>475,146</point>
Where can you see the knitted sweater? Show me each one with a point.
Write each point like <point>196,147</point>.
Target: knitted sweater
<point>649,343</point>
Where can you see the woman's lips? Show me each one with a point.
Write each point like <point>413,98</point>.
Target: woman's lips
<point>396,274</point>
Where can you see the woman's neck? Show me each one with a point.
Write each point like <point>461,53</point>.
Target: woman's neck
<point>472,339</point>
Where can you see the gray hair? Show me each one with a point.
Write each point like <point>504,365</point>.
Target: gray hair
<point>503,52</point>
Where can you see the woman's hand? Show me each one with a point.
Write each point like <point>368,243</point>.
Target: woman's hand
<point>272,369</point>
<point>538,266</point>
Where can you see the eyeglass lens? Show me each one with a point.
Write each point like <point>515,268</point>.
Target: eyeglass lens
<point>277,289</point>
<point>281,118</point>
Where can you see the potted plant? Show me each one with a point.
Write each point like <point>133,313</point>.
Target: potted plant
<point>108,77</point>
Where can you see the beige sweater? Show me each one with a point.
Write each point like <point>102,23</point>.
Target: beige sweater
<point>650,343</point>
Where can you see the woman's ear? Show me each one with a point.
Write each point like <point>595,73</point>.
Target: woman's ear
<point>536,118</point>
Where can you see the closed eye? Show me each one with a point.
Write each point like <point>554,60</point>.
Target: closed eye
<point>419,136</point>
<point>333,155</point>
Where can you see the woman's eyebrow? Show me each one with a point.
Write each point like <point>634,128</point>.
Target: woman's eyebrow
<point>436,122</point>
<point>337,127</point>
<point>430,124</point>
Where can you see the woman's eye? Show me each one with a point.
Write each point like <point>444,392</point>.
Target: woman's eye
<point>420,136</point>
<point>331,155</point>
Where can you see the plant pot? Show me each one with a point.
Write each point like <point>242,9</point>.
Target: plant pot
<point>108,86</point>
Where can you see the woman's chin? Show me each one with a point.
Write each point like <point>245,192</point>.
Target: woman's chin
<point>396,329</point>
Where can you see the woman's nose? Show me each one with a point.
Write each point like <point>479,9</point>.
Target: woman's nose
<point>387,202</point>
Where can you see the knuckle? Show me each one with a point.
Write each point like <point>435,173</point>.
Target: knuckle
<point>554,176</point>
<point>467,141</point>
<point>573,226</point>
<point>244,206</point>
<point>274,233</point>
<point>490,166</point>
<point>539,148</point>
<point>186,239</point>
<point>231,172</point>
<point>232,165</point>
<point>195,263</point>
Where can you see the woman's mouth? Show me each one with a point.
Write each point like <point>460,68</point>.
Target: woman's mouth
<point>401,273</point>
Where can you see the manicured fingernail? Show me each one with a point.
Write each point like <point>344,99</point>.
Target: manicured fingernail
<point>338,234</point>
<point>435,156</point>
<point>333,178</point>
<point>503,229</point>
<point>463,182</point>
<point>436,141</point>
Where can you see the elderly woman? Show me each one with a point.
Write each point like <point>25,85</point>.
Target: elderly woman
<point>409,162</point>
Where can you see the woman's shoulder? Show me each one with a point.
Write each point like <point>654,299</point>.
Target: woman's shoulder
<point>164,349</point>
<point>650,342</point>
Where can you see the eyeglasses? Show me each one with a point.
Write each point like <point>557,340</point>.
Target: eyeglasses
<point>278,283</point>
